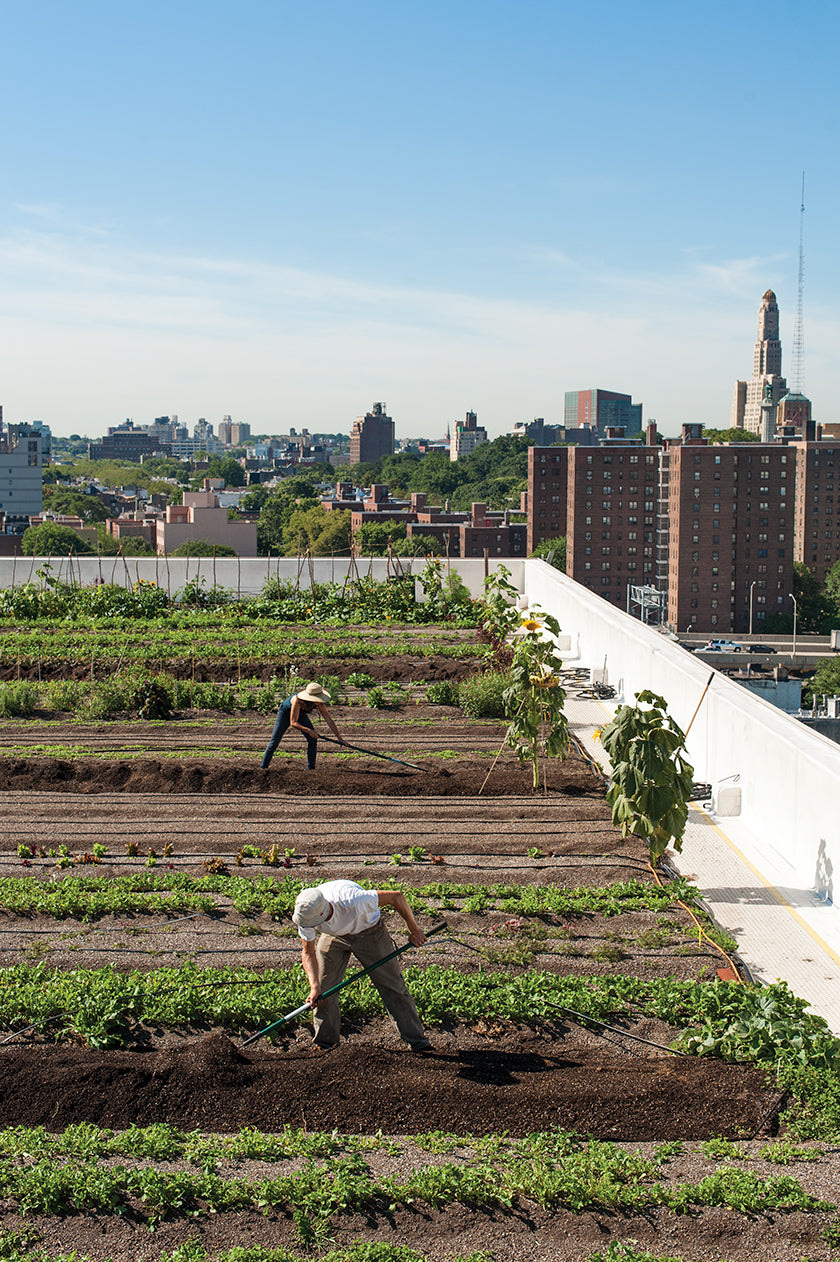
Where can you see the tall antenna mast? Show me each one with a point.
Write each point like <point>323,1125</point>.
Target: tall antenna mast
<point>798,354</point>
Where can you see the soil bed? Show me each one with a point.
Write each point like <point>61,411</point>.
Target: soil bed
<point>460,777</point>
<point>466,1085</point>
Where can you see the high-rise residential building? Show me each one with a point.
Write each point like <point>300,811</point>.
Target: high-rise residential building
<point>602,409</point>
<point>372,436</point>
<point>240,432</point>
<point>612,518</point>
<point>547,478</point>
<point>767,384</point>
<point>225,427</point>
<point>21,476</point>
<point>728,524</point>
<point>817,512</point>
<point>468,435</point>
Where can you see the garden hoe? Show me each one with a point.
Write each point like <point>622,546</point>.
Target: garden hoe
<point>373,753</point>
<point>348,981</point>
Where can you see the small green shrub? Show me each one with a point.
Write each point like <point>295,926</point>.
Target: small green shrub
<point>482,696</point>
<point>359,680</point>
<point>443,693</point>
<point>18,699</point>
<point>376,699</point>
<point>153,700</point>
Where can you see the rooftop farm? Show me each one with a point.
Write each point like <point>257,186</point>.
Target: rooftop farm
<point>596,1091</point>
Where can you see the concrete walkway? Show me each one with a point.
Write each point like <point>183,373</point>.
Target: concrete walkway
<point>783,930</point>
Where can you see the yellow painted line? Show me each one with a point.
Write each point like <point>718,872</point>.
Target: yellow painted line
<point>770,887</point>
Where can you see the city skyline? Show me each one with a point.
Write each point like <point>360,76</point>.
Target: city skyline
<point>281,213</point>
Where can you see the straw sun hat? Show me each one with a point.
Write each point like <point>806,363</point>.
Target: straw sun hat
<point>314,692</point>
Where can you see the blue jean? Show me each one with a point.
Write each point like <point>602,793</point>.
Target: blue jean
<point>281,726</point>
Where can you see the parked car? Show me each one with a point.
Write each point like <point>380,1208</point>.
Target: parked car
<point>761,648</point>
<point>722,646</point>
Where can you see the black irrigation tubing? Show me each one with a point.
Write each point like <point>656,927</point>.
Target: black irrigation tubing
<point>580,1019</point>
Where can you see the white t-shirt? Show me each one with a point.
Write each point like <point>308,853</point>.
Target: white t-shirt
<point>354,910</point>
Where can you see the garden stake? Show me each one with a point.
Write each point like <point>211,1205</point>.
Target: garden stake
<point>373,753</point>
<point>354,977</point>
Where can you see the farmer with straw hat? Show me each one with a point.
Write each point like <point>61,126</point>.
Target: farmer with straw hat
<point>295,712</point>
<point>339,919</point>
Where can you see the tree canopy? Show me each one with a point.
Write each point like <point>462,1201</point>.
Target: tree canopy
<point>49,539</point>
<point>730,435</point>
<point>202,548</point>
<point>64,501</point>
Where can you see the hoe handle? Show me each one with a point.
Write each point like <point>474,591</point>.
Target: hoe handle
<point>354,977</point>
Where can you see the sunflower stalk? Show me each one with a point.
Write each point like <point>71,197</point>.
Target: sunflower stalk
<point>534,699</point>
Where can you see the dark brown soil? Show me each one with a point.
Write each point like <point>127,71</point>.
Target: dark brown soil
<point>457,777</point>
<point>399,668</point>
<point>484,1087</point>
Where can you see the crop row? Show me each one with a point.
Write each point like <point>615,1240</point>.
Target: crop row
<point>21,1247</point>
<point>263,642</point>
<point>596,1178</point>
<point>764,1025</point>
<point>357,600</point>
<point>87,897</point>
<point>84,1141</point>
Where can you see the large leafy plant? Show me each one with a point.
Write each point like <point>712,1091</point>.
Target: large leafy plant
<point>534,700</point>
<point>652,779</point>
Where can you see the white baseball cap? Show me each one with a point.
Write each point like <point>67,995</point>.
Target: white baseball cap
<point>311,909</point>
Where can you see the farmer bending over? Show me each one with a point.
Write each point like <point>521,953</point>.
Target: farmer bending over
<point>295,712</point>
<point>349,921</point>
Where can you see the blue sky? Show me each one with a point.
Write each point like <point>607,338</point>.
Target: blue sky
<point>287,211</point>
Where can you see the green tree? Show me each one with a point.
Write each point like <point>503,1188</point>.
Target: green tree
<point>52,540</point>
<point>293,495</point>
<point>419,546</point>
<point>832,591</point>
<point>69,503</point>
<point>201,548</point>
<point>553,551</point>
<point>322,533</point>
<point>371,539</point>
<point>825,681</point>
<point>730,435</point>
<point>224,467</point>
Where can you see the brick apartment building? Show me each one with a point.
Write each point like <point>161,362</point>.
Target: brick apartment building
<point>612,502</point>
<point>817,512</point>
<point>717,528</point>
<point>727,544</point>
<point>547,490</point>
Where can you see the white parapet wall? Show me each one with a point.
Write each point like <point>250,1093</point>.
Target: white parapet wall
<point>245,576</point>
<point>789,776</point>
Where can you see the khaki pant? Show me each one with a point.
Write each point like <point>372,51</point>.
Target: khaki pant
<point>333,956</point>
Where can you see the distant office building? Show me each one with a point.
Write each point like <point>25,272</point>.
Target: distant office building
<point>225,427</point>
<point>540,434</point>
<point>38,427</point>
<point>21,477</point>
<point>123,442</point>
<point>793,417</point>
<point>467,436</point>
<point>767,383</point>
<point>729,530</point>
<point>240,432</point>
<point>601,409</point>
<point>817,512</point>
<point>372,436</point>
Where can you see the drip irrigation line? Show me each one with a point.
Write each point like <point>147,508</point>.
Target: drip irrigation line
<point>581,1019</point>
